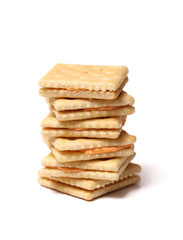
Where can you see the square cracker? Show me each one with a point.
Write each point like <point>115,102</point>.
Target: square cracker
<point>80,114</point>
<point>68,156</point>
<point>62,93</point>
<point>83,173</point>
<point>112,164</point>
<point>104,123</point>
<point>90,133</point>
<point>91,184</point>
<point>87,194</point>
<point>89,77</point>
<point>66,144</point>
<point>74,104</point>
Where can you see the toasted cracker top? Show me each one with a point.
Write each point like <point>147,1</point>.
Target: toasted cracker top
<point>89,77</point>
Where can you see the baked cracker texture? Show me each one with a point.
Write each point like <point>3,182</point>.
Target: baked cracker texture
<point>68,156</point>
<point>76,76</point>
<point>50,121</point>
<point>82,173</point>
<point>87,194</point>
<point>91,184</point>
<point>91,133</point>
<point>90,153</point>
<point>66,144</point>
<point>79,114</point>
<point>111,164</point>
<point>60,93</point>
<point>75,104</point>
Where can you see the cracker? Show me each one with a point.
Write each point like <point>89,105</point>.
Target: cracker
<point>86,194</point>
<point>67,156</point>
<point>77,115</point>
<point>112,134</point>
<point>91,184</point>
<point>47,141</point>
<point>75,104</point>
<point>64,144</point>
<point>83,173</point>
<point>75,76</point>
<point>105,123</point>
<point>112,164</point>
<point>60,93</point>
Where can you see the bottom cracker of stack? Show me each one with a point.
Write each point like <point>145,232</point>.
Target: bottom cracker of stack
<point>82,179</point>
<point>89,173</point>
<point>100,187</point>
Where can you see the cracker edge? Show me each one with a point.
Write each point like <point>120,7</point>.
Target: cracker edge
<point>86,194</point>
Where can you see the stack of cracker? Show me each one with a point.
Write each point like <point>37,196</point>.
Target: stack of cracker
<point>90,152</point>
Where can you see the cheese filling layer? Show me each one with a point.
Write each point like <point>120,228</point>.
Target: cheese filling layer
<point>72,89</point>
<point>102,150</point>
<point>94,109</point>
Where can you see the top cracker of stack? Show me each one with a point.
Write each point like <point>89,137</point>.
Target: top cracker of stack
<point>84,81</point>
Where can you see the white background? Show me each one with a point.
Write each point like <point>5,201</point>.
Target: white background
<point>147,37</point>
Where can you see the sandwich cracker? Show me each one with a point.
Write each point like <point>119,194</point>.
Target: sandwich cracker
<point>87,194</point>
<point>91,184</point>
<point>112,164</point>
<point>87,77</point>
